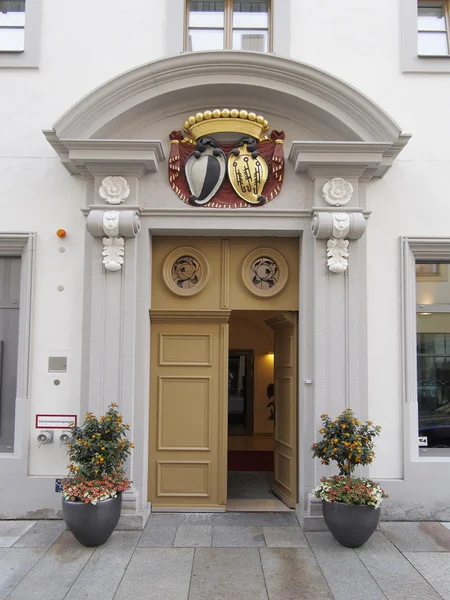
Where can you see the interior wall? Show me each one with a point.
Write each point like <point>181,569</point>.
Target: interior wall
<point>248,331</point>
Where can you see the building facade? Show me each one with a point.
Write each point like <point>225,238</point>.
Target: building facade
<point>140,267</point>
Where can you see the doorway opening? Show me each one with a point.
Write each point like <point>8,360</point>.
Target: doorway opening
<point>251,413</point>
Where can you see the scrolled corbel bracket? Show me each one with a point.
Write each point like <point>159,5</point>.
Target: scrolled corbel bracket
<point>338,229</point>
<point>113,226</point>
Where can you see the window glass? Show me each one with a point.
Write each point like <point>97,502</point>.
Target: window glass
<point>205,39</point>
<point>434,44</point>
<point>433,354</point>
<point>250,14</point>
<point>9,336</point>
<point>431,18</point>
<point>250,40</point>
<point>432,30</point>
<point>206,14</point>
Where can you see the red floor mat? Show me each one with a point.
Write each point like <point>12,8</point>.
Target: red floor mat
<point>250,460</point>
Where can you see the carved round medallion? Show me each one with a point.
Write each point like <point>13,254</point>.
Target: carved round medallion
<point>186,271</point>
<point>264,272</point>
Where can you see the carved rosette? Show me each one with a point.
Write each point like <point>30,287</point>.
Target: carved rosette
<point>337,192</point>
<point>114,190</point>
<point>115,225</point>
<point>335,227</point>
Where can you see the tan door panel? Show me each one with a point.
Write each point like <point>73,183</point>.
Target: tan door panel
<point>188,410</point>
<point>240,296</point>
<point>284,326</point>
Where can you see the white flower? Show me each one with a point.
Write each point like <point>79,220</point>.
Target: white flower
<point>337,192</point>
<point>114,190</point>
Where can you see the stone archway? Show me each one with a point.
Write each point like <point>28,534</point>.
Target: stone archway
<point>121,129</point>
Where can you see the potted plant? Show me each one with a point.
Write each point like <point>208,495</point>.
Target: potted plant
<point>92,494</point>
<point>351,506</point>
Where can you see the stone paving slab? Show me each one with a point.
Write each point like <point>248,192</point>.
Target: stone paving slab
<point>227,574</point>
<point>53,575</point>
<point>394,574</point>
<point>157,574</point>
<point>193,536</point>
<point>42,535</point>
<point>293,574</point>
<point>435,567</point>
<point>12,531</point>
<point>285,537</point>
<point>158,537</point>
<point>103,572</point>
<point>417,536</point>
<point>237,537</point>
<point>15,563</point>
<point>344,572</point>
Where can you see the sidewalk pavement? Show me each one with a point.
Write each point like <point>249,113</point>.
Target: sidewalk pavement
<point>227,556</point>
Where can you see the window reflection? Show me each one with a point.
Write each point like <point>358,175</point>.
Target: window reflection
<point>433,354</point>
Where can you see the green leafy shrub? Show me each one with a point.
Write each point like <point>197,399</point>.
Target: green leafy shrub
<point>346,441</point>
<point>97,453</point>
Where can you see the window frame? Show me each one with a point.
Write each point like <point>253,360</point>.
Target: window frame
<point>228,28</point>
<point>22,245</point>
<point>29,56</point>
<point>411,61</point>
<point>414,250</point>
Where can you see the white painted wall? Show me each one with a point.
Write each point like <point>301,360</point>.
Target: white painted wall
<point>86,43</point>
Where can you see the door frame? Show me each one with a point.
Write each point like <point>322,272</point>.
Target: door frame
<point>293,223</point>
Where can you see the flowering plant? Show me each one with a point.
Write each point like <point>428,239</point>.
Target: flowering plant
<point>350,490</point>
<point>346,441</point>
<point>349,443</point>
<point>97,452</point>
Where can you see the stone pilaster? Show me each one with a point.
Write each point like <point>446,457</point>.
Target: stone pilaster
<point>111,298</point>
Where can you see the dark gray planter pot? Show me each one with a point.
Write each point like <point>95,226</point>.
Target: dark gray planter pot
<point>92,525</point>
<point>351,525</point>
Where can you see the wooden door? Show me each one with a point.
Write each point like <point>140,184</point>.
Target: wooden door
<point>196,283</point>
<point>189,356</point>
<point>284,326</point>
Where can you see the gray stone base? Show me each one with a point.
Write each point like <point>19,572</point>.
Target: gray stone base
<point>131,520</point>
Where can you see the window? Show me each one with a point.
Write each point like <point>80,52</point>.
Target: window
<point>433,353</point>
<point>229,24</point>
<point>20,32</point>
<point>432,27</point>
<point>425,46</point>
<point>9,339</point>
<point>12,25</point>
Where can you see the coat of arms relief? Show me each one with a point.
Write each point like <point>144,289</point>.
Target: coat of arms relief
<point>226,160</point>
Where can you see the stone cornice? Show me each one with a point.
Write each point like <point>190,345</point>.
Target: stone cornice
<point>92,157</point>
<point>363,160</point>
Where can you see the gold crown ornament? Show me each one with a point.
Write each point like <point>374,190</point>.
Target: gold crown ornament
<point>226,121</point>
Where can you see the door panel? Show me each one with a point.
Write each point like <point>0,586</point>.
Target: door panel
<point>187,467</point>
<point>285,395</point>
<point>196,282</point>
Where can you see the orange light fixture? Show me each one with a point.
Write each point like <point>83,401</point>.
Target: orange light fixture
<point>61,233</point>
